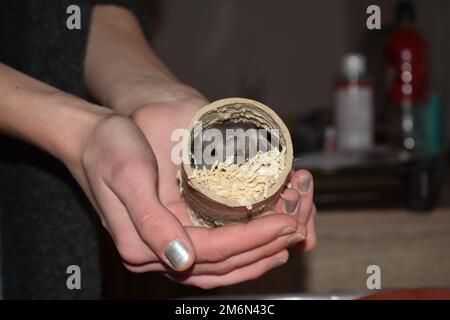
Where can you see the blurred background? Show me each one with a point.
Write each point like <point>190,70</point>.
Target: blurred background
<point>367,110</point>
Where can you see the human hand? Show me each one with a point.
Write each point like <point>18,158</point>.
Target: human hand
<point>143,88</point>
<point>159,119</point>
<point>113,162</point>
<point>117,170</point>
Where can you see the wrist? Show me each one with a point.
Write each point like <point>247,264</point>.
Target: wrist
<point>143,90</point>
<point>54,121</point>
<point>73,122</point>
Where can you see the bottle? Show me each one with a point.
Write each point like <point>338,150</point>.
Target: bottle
<point>354,106</point>
<point>406,73</point>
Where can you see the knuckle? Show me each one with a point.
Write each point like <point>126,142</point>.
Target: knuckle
<point>213,252</point>
<point>224,268</point>
<point>285,221</point>
<point>217,255</point>
<point>220,268</point>
<point>211,255</point>
<point>147,223</point>
<point>128,173</point>
<point>124,170</point>
<point>130,169</point>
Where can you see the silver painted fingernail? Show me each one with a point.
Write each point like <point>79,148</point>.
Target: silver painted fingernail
<point>290,206</point>
<point>295,239</point>
<point>177,254</point>
<point>304,183</point>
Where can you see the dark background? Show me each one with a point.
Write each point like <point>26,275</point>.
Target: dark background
<point>288,52</point>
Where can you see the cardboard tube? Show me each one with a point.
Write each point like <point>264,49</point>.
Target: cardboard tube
<point>210,209</point>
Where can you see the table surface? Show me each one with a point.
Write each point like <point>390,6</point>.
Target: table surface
<point>412,251</point>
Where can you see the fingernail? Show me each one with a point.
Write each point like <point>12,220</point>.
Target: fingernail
<point>290,206</point>
<point>304,183</point>
<point>277,263</point>
<point>177,254</point>
<point>295,239</point>
<point>286,231</point>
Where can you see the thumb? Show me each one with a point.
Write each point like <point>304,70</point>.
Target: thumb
<point>165,235</point>
<point>136,187</point>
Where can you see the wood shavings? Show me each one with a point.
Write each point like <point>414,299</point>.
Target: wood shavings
<point>245,184</point>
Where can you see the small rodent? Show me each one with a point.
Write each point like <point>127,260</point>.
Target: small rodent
<point>256,139</point>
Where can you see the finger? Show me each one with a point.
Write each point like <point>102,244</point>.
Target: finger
<point>289,202</point>
<point>135,185</point>
<point>215,245</point>
<point>311,240</point>
<point>232,263</point>
<point>246,273</point>
<point>291,174</point>
<point>247,258</point>
<point>303,182</point>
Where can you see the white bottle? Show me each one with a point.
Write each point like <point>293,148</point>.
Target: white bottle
<point>354,106</point>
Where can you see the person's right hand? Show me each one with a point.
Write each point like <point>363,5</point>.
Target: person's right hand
<point>117,170</point>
